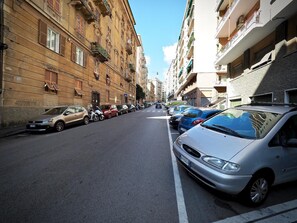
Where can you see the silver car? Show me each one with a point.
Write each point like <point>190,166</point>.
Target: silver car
<point>243,150</point>
<point>58,118</point>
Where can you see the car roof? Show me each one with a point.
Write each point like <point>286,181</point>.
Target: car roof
<point>272,107</point>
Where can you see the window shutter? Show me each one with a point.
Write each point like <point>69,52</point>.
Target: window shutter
<point>85,58</point>
<point>73,53</point>
<point>42,37</point>
<point>62,45</point>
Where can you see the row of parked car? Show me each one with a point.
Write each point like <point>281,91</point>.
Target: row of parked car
<point>59,117</point>
<point>184,117</point>
<point>241,151</point>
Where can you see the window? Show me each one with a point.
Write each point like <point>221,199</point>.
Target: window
<point>54,5</point>
<point>78,55</point>
<point>51,81</point>
<point>78,88</point>
<point>108,81</point>
<point>80,24</point>
<point>51,39</point>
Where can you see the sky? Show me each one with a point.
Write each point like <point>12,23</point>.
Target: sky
<point>159,24</point>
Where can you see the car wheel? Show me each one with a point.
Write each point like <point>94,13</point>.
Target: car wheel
<point>59,126</point>
<point>109,116</point>
<point>256,191</point>
<point>86,120</point>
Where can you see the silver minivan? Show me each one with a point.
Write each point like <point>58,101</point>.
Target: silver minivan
<point>243,150</point>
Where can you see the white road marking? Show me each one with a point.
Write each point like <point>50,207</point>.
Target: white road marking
<point>182,212</point>
<point>285,212</point>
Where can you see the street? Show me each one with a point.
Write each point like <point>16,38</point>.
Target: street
<point>116,170</point>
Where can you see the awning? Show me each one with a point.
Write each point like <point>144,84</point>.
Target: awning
<point>180,72</point>
<point>190,66</point>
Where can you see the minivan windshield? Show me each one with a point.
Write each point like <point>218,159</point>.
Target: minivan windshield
<point>243,123</point>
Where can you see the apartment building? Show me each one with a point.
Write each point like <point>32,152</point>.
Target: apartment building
<point>158,89</point>
<point>196,53</point>
<point>151,89</point>
<point>169,82</point>
<point>257,40</point>
<point>65,52</point>
<point>141,68</point>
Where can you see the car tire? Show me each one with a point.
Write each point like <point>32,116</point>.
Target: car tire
<point>59,126</point>
<point>256,191</point>
<point>86,120</point>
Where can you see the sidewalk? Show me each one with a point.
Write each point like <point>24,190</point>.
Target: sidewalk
<point>13,130</point>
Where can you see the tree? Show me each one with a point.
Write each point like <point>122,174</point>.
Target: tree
<point>139,92</point>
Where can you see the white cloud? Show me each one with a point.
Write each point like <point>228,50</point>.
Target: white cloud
<point>169,53</point>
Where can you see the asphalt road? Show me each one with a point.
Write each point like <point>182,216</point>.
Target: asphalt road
<point>117,170</point>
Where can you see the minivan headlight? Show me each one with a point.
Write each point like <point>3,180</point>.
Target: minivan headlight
<point>178,142</point>
<point>221,164</point>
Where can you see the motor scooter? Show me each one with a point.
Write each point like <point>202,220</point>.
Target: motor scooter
<point>93,115</point>
<point>99,113</point>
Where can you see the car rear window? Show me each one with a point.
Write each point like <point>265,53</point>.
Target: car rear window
<point>192,113</point>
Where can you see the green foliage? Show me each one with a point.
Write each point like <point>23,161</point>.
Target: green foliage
<point>139,92</point>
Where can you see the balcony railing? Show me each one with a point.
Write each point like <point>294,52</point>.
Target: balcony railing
<point>129,48</point>
<point>128,77</point>
<point>99,52</point>
<point>84,8</point>
<point>132,67</point>
<point>245,29</point>
<point>103,6</point>
<point>226,15</point>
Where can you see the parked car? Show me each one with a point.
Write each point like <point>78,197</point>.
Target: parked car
<point>171,109</point>
<point>194,116</point>
<point>174,120</point>
<point>179,109</point>
<point>109,110</point>
<point>58,118</point>
<point>158,105</point>
<point>243,150</point>
<point>123,109</point>
<point>131,108</point>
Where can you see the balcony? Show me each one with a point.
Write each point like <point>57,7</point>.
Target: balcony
<point>128,77</point>
<point>104,7</point>
<point>232,49</point>
<point>129,48</point>
<point>132,67</point>
<point>84,8</point>
<point>99,52</point>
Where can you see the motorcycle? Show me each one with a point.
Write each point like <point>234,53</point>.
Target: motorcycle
<point>99,113</point>
<point>93,116</point>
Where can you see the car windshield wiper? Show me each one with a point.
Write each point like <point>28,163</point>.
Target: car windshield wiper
<point>224,129</point>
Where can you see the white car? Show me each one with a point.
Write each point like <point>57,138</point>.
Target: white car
<point>243,150</point>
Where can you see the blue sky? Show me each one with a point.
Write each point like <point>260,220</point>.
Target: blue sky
<point>159,24</point>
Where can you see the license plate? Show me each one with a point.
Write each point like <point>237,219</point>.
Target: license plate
<point>185,160</point>
<point>32,126</point>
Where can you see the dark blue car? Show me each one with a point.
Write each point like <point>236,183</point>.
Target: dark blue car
<point>194,116</point>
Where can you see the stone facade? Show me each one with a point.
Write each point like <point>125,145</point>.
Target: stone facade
<point>65,52</point>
